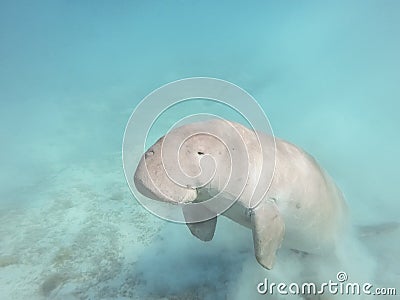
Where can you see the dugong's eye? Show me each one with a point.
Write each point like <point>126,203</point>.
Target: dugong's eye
<point>200,153</point>
<point>149,153</point>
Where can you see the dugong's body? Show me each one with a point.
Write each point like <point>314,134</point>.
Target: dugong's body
<point>301,208</point>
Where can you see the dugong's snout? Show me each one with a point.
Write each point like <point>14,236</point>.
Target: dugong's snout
<point>141,187</point>
<point>152,181</point>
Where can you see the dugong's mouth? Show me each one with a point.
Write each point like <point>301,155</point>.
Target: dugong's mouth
<point>143,189</point>
<point>175,195</point>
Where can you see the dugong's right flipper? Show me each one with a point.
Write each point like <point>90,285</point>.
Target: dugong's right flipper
<point>202,230</point>
<point>268,231</point>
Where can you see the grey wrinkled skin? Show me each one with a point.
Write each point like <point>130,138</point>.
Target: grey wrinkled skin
<point>301,208</point>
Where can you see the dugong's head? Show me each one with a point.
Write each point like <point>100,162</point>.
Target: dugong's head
<point>153,180</point>
<point>177,167</point>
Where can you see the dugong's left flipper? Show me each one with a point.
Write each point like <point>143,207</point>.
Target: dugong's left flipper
<point>202,230</point>
<point>268,231</point>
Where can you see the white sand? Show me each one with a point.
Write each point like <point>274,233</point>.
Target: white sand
<point>87,238</point>
<point>86,230</point>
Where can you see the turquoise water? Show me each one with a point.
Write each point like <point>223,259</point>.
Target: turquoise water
<point>71,73</point>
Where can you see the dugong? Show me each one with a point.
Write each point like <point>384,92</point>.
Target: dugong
<point>276,189</point>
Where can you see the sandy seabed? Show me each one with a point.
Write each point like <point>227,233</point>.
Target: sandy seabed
<point>85,237</point>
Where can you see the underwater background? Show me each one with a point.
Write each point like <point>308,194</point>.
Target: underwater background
<point>71,73</point>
